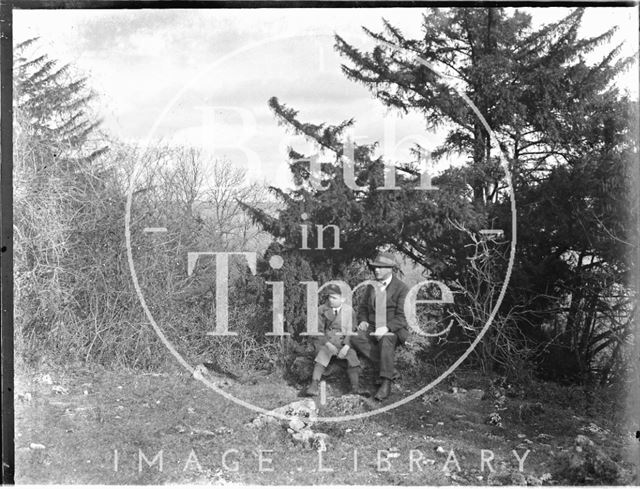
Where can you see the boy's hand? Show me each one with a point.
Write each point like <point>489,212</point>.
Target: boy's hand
<point>363,326</point>
<point>331,347</point>
<point>343,352</point>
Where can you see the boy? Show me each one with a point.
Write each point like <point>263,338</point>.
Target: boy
<point>334,342</point>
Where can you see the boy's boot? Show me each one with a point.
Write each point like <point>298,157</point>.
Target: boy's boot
<point>314,387</point>
<point>354,379</point>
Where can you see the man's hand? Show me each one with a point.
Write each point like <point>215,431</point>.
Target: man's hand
<point>331,347</point>
<point>363,326</point>
<point>343,352</point>
<point>380,332</point>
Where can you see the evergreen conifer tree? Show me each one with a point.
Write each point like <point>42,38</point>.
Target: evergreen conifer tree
<point>562,124</point>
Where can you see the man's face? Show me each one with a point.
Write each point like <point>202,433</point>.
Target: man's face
<point>382,273</point>
<point>335,300</point>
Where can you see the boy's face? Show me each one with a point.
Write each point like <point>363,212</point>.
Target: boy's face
<point>334,300</point>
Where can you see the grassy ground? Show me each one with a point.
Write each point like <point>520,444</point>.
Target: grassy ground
<point>85,415</point>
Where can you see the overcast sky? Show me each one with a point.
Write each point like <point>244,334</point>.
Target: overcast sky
<point>203,77</point>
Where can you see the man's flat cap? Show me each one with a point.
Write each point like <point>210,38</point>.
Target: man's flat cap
<point>385,260</point>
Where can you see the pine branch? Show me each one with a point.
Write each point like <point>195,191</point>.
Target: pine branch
<point>327,137</point>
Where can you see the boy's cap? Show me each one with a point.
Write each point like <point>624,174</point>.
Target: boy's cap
<point>333,289</point>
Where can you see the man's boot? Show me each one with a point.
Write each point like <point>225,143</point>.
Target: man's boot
<point>354,379</point>
<point>314,387</point>
<point>396,376</point>
<point>384,391</point>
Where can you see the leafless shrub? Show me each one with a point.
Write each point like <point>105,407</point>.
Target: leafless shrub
<point>503,347</point>
<point>74,294</point>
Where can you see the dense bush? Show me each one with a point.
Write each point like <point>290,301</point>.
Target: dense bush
<point>74,296</point>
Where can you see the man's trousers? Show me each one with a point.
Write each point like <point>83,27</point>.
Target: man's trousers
<point>381,353</point>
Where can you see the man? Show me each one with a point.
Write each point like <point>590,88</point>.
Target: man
<point>378,342</point>
<point>334,342</point>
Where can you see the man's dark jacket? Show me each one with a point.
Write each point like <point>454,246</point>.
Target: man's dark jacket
<point>396,320</point>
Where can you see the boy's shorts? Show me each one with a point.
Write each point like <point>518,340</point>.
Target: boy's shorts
<point>324,356</point>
